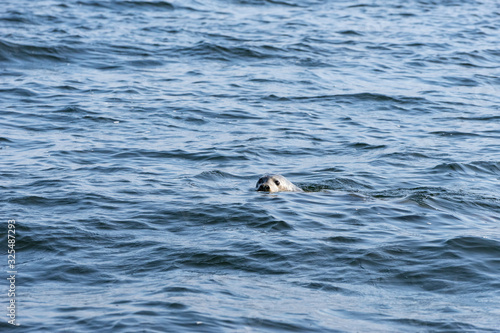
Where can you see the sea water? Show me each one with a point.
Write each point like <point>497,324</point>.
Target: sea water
<point>132,134</point>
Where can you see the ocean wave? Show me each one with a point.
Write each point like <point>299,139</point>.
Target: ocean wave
<point>137,5</point>
<point>476,167</point>
<point>14,52</point>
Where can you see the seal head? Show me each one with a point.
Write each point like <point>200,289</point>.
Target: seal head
<point>276,183</point>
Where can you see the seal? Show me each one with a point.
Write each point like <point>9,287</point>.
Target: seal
<point>276,183</point>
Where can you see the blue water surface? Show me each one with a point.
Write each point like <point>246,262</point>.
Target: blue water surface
<point>132,134</point>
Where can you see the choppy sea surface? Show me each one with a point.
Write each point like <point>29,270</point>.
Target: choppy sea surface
<point>132,134</point>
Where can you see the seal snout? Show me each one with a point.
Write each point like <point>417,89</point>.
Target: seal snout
<point>264,187</point>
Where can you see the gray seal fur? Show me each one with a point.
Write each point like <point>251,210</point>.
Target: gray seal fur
<point>276,183</point>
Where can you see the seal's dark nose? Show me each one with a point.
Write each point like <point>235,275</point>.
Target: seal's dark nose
<point>263,187</point>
